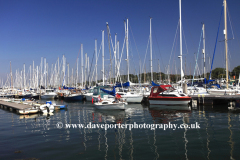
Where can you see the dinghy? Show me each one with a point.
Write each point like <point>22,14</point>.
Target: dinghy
<point>28,111</point>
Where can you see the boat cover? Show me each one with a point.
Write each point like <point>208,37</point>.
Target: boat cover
<point>113,92</point>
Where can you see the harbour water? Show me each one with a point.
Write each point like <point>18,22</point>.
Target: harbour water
<point>40,137</point>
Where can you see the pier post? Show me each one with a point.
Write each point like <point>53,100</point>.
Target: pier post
<point>232,104</point>
<point>199,98</point>
<point>194,103</point>
<point>185,88</point>
<point>203,98</point>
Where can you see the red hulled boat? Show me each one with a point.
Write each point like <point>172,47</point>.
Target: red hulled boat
<point>167,95</point>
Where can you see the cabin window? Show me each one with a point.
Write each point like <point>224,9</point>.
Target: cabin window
<point>95,91</point>
<point>155,90</point>
<point>181,94</point>
<point>167,95</point>
<point>105,103</point>
<point>48,91</point>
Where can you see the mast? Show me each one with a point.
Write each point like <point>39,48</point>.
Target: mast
<point>110,72</point>
<point>204,63</point>
<point>103,55</point>
<point>58,75</point>
<point>45,70</point>
<point>115,57</point>
<point>68,75</point>
<point>127,52</point>
<point>77,74</point>
<point>72,78</point>
<point>37,79</point>
<point>82,62</point>
<point>11,75</point>
<point>24,80</point>
<point>226,44</point>
<point>86,64</point>
<point>47,74</point>
<point>159,72</point>
<point>88,73</point>
<point>30,78</point>
<point>96,58</point>
<point>41,74</point>
<point>33,74</point>
<point>180,20</point>
<point>151,48</point>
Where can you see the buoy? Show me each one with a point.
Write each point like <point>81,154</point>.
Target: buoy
<point>92,100</point>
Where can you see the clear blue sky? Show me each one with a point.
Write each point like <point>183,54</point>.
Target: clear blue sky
<point>31,29</point>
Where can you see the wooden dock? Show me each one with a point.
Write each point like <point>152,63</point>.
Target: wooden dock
<point>14,106</point>
<point>215,99</point>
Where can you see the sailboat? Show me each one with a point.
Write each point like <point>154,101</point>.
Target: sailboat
<point>129,95</point>
<point>49,94</point>
<point>110,103</point>
<point>166,94</point>
<point>225,91</point>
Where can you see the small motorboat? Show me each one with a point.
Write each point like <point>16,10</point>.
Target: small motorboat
<point>47,108</point>
<point>109,104</point>
<point>28,111</point>
<point>167,95</point>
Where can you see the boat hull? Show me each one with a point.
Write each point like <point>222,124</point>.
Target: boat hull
<point>88,98</point>
<point>132,99</point>
<point>222,92</point>
<point>48,96</point>
<point>169,101</point>
<point>25,96</point>
<point>74,98</point>
<point>32,111</point>
<point>117,106</point>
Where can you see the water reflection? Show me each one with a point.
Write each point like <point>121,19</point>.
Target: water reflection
<point>116,116</point>
<point>29,116</point>
<point>216,139</point>
<point>165,114</point>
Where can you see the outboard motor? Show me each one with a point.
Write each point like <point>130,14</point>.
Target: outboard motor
<point>48,106</point>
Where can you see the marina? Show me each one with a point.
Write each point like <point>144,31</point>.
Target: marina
<point>79,82</point>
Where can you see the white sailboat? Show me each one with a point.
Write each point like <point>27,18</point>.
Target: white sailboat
<point>129,96</point>
<point>227,90</point>
<point>49,94</point>
<point>110,105</point>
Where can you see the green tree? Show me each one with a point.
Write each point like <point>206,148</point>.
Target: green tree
<point>218,73</point>
<point>236,71</point>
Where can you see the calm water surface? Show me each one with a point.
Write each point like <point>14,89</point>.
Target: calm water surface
<point>37,136</point>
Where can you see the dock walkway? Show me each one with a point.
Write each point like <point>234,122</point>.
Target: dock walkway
<point>231,100</point>
<point>216,97</point>
<point>15,106</point>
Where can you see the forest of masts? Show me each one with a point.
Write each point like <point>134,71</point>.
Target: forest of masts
<point>59,74</point>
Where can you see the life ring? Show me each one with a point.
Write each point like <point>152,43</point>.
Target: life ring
<point>20,93</point>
